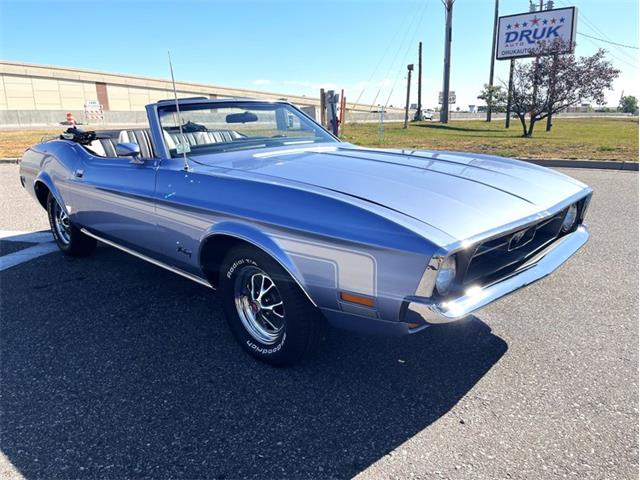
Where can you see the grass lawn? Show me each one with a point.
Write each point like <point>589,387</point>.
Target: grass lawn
<point>14,142</point>
<point>570,138</point>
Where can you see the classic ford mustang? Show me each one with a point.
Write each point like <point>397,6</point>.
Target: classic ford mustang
<point>295,228</point>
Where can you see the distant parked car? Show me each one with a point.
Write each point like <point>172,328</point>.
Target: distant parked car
<point>427,114</point>
<point>294,227</point>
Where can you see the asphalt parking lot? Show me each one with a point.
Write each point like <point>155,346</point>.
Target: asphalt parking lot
<point>113,368</point>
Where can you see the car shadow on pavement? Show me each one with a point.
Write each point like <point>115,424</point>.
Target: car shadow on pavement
<point>113,368</point>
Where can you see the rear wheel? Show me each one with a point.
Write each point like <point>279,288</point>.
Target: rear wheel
<point>267,312</point>
<point>68,237</point>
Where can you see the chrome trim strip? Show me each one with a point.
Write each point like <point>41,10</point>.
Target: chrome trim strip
<point>157,263</point>
<point>518,224</point>
<point>474,298</point>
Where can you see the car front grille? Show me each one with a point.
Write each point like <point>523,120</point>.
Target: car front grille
<point>498,257</point>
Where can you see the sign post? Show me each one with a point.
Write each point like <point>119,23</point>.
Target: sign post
<point>507,120</point>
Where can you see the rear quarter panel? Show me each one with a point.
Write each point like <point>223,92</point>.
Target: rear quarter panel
<point>52,164</point>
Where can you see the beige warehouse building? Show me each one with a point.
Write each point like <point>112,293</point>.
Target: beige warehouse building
<point>42,95</point>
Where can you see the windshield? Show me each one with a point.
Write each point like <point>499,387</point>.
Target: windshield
<point>230,126</point>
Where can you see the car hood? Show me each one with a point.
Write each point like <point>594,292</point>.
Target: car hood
<point>461,194</point>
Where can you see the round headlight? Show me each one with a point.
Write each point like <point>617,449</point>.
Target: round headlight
<point>570,218</point>
<point>446,275</point>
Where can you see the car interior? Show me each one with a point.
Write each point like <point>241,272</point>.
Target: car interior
<point>105,143</point>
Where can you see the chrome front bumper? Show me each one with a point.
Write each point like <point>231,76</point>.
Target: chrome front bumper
<point>538,267</point>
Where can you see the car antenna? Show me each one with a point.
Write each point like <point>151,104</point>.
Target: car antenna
<point>175,95</point>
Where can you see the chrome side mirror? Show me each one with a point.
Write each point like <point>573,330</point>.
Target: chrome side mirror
<point>129,150</point>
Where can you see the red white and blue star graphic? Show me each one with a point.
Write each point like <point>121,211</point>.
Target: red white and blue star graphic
<point>535,22</point>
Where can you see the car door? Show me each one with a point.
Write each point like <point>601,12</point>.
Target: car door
<point>114,198</point>
<point>182,219</point>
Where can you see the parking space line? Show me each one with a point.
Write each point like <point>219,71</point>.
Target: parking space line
<point>28,237</point>
<point>21,256</point>
<point>43,245</point>
<point>8,470</point>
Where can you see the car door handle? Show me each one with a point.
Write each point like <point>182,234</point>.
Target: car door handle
<point>78,173</point>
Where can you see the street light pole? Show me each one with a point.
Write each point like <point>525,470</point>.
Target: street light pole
<point>444,111</point>
<point>406,108</point>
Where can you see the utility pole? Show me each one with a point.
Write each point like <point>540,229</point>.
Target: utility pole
<point>406,108</point>
<point>418,116</point>
<point>444,111</point>
<point>493,59</point>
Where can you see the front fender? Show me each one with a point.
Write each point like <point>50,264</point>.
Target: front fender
<point>262,241</point>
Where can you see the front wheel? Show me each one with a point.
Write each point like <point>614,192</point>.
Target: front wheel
<point>68,237</point>
<point>267,312</point>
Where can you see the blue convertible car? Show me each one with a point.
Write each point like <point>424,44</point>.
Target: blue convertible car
<point>295,228</point>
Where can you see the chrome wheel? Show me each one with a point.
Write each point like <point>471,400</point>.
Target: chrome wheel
<point>61,224</point>
<point>259,305</point>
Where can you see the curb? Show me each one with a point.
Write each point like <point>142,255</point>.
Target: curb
<point>597,164</point>
<point>9,160</point>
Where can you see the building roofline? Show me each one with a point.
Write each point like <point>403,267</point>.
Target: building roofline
<point>12,67</point>
<point>71,73</point>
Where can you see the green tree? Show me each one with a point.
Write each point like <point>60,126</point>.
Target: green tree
<point>557,81</point>
<point>494,96</point>
<point>629,104</point>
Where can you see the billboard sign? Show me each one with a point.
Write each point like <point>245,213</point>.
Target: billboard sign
<point>519,34</point>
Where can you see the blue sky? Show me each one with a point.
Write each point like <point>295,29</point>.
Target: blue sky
<point>295,46</point>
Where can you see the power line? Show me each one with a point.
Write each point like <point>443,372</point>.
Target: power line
<point>594,28</point>
<point>406,33</point>
<point>408,49</point>
<point>406,36</point>
<point>381,58</point>
<point>607,41</point>
<point>613,55</point>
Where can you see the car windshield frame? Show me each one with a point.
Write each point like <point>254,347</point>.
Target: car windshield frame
<point>318,134</point>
